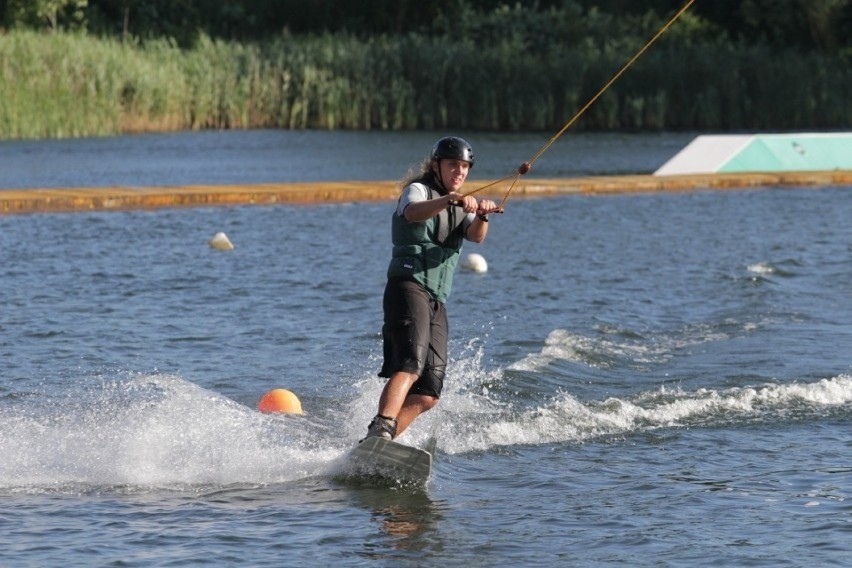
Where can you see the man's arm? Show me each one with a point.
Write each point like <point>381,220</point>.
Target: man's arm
<point>478,229</point>
<point>419,211</point>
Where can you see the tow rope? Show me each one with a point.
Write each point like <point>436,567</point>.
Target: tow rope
<point>527,166</point>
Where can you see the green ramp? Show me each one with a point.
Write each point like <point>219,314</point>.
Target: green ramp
<point>762,153</point>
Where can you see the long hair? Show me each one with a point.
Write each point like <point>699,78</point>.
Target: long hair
<point>425,175</point>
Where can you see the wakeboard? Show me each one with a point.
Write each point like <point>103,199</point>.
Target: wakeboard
<point>384,461</point>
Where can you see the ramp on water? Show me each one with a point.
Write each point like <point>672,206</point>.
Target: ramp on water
<point>762,153</point>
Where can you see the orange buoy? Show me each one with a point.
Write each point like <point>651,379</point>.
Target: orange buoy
<point>280,400</point>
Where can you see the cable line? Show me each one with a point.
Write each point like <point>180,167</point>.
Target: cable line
<point>526,166</point>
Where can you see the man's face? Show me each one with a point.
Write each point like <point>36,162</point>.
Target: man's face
<point>452,173</point>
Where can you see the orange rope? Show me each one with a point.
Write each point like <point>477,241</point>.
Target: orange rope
<point>526,166</point>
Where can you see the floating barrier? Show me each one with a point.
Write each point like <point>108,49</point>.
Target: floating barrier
<point>280,401</point>
<point>475,262</point>
<point>220,241</point>
<point>124,198</point>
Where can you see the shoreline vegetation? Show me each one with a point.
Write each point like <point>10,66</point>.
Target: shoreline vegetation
<point>70,84</point>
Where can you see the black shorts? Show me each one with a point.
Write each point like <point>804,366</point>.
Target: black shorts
<point>415,336</point>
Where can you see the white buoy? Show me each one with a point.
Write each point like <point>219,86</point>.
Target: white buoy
<point>475,262</point>
<point>220,241</point>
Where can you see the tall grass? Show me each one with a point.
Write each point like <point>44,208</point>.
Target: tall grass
<point>63,85</point>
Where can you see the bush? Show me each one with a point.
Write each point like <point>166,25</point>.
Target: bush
<point>65,84</point>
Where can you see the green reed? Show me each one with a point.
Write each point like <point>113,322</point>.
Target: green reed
<point>62,85</point>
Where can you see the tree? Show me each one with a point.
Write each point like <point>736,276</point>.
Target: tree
<point>824,19</point>
<point>37,13</point>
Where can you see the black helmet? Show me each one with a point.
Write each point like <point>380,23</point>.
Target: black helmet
<point>453,148</point>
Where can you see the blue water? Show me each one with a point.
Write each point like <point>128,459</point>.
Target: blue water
<point>636,380</point>
<point>272,156</point>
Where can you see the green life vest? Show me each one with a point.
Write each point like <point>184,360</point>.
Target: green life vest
<point>428,252</point>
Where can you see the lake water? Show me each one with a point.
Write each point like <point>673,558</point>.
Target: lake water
<point>636,380</point>
<point>281,156</point>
